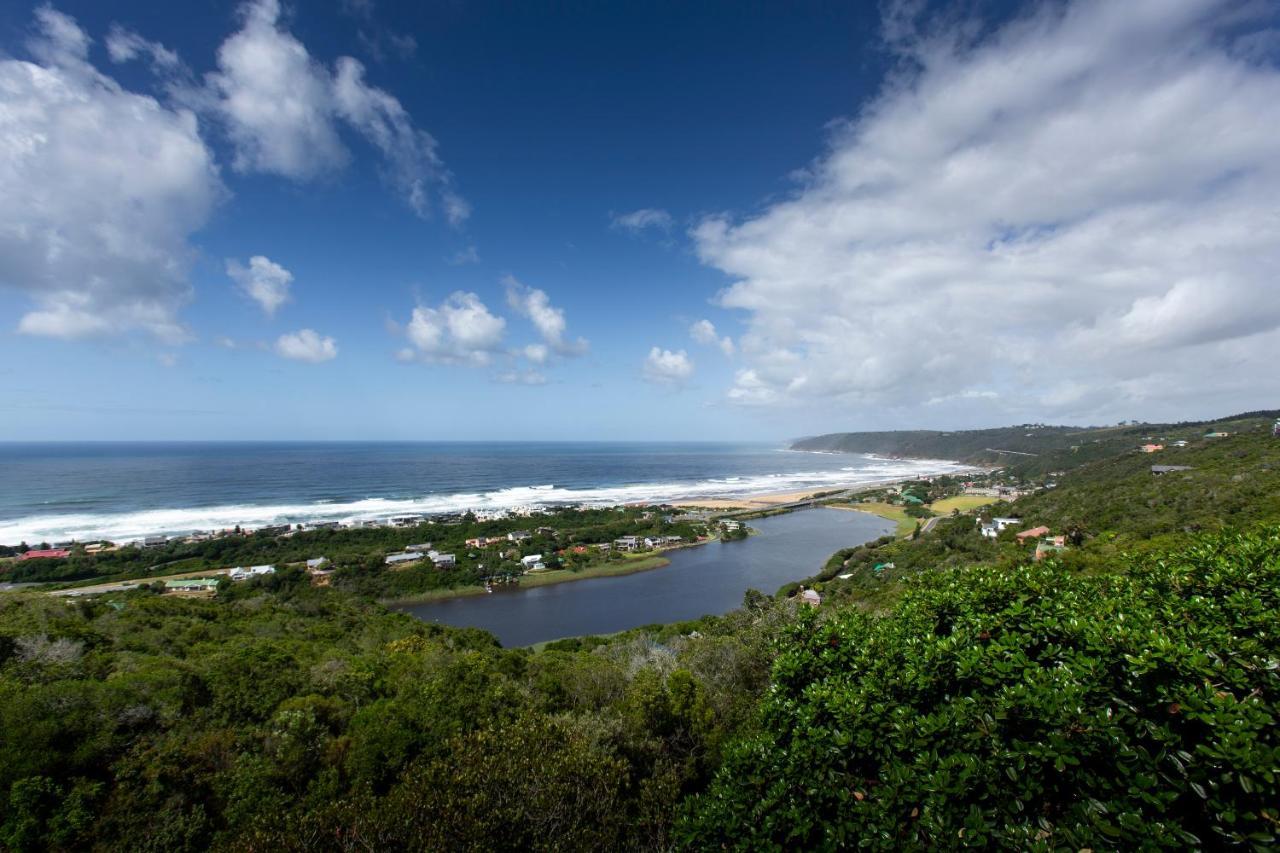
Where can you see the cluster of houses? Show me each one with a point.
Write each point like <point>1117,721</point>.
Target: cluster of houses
<point>414,553</point>
<point>1046,543</point>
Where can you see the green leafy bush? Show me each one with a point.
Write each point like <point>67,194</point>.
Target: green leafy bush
<point>1024,708</point>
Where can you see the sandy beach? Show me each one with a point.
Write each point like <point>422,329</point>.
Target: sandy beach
<point>752,501</point>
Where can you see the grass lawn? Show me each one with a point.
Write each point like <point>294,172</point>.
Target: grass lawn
<point>964,503</point>
<point>898,515</point>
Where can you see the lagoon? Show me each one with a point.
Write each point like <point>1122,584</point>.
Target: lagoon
<point>708,579</point>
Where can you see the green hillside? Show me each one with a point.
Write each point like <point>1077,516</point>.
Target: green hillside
<point>949,691</point>
<point>1029,448</point>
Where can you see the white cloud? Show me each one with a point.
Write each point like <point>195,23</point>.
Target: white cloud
<point>521,377</point>
<point>1088,197</point>
<point>264,281</point>
<point>282,109</point>
<point>666,367</point>
<point>100,188</point>
<point>461,330</point>
<point>546,318</point>
<point>306,345</point>
<point>641,220</point>
<point>704,332</point>
<point>124,45</point>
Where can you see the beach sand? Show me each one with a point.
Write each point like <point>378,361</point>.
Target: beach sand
<point>751,501</point>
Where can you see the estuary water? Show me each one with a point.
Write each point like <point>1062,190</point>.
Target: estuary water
<point>707,579</point>
<point>122,491</point>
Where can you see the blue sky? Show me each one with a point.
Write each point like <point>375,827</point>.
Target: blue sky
<point>632,221</point>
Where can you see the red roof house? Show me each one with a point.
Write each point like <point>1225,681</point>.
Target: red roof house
<point>53,553</point>
<point>1032,533</point>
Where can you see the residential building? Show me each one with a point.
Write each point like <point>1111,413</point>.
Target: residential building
<point>810,597</point>
<point>406,557</point>
<point>443,561</point>
<point>628,543</point>
<point>1151,448</point>
<point>239,573</point>
<point>191,586</point>
<point>519,536</point>
<point>1032,533</point>
<point>317,563</point>
<point>45,554</point>
<point>993,528</point>
<point>531,561</point>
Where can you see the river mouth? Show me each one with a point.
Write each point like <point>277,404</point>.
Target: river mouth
<point>707,580</point>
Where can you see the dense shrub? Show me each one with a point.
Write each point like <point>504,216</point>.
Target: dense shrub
<point>1024,708</point>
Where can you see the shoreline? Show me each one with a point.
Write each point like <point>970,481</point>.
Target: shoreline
<point>746,501</point>
<point>551,578</point>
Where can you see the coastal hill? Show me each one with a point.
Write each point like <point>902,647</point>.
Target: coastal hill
<point>1030,448</point>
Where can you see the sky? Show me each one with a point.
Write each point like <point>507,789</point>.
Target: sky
<point>459,220</point>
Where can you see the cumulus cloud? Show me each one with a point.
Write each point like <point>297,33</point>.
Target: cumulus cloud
<point>306,345</point>
<point>666,367</point>
<point>264,281</point>
<point>546,318</point>
<point>282,109</point>
<point>461,330</point>
<point>704,332</point>
<point>1076,213</point>
<point>644,219</point>
<point>100,189</point>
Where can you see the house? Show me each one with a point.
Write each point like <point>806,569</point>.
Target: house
<point>519,536</point>
<point>155,541</point>
<point>993,528</point>
<point>579,549</point>
<point>629,543</point>
<point>810,597</point>
<point>1151,448</point>
<point>1216,434</point>
<point>317,563</point>
<point>603,547</point>
<point>477,542</point>
<point>1180,443</point>
<point>45,554</point>
<point>407,520</point>
<point>532,561</point>
<point>1050,546</point>
<point>1157,470</point>
<point>1032,533</point>
<point>405,557</point>
<point>274,530</point>
<point>421,546</point>
<point>731,525</point>
<point>325,525</point>
<point>443,561</point>
<point>191,586</point>
<point>546,531</point>
<point>240,574</point>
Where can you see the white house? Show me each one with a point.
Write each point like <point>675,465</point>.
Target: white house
<point>530,561</point>
<point>239,573</point>
<point>442,561</point>
<point>317,563</point>
<point>406,557</point>
<point>992,529</point>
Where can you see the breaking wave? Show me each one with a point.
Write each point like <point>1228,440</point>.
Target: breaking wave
<point>127,526</point>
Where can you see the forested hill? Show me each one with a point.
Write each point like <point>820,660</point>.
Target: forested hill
<point>1057,446</point>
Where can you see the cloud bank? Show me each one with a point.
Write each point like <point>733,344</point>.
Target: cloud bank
<point>100,189</point>
<point>1077,213</point>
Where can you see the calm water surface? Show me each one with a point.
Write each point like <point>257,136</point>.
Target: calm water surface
<point>708,579</point>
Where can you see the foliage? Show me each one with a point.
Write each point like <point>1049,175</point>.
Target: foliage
<point>1032,708</point>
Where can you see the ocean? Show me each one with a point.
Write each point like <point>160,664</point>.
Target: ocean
<point>123,491</point>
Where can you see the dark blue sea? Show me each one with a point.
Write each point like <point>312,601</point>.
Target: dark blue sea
<point>122,491</point>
